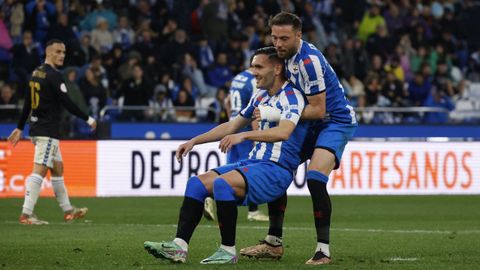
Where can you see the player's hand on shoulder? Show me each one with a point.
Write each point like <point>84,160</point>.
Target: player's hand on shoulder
<point>15,136</point>
<point>183,150</point>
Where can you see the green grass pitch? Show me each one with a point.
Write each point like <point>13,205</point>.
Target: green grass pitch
<point>368,232</point>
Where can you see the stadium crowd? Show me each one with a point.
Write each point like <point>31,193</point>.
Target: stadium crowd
<point>177,58</point>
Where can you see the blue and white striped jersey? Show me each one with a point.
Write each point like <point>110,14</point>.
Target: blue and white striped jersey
<point>310,72</point>
<point>290,102</point>
<point>241,91</point>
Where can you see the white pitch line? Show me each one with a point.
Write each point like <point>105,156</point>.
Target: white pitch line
<point>265,228</point>
<point>400,259</point>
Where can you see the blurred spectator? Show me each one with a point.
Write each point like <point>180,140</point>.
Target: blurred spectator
<point>184,107</point>
<point>77,126</point>
<point>62,30</point>
<point>418,89</point>
<point>394,66</point>
<point>355,91</point>
<point>162,104</point>
<point>124,34</point>
<point>348,59</point>
<point>418,58</point>
<point>196,46</point>
<point>334,58</point>
<point>438,100</point>
<point>90,22</point>
<point>205,54</point>
<point>136,92</point>
<point>40,15</point>
<point>14,19</point>
<point>372,90</point>
<point>361,60</point>
<point>174,50</point>
<point>443,80</point>
<point>146,45</point>
<point>370,22</point>
<point>393,90</point>
<point>125,71</point>
<point>74,92</point>
<point>190,70</point>
<point>439,55</point>
<point>102,38</point>
<point>380,42</point>
<point>142,11</point>
<point>168,30</point>
<point>377,68</point>
<point>7,97</point>
<point>93,91</point>
<point>26,57</point>
<point>214,20</point>
<point>393,18</point>
<point>219,74</point>
<point>235,54</point>
<point>81,53</point>
<point>218,107</point>
<point>247,52</point>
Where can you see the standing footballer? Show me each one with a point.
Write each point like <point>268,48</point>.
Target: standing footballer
<point>334,124</point>
<point>46,93</point>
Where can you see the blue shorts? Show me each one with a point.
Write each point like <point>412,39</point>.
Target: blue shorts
<point>266,181</point>
<point>239,151</point>
<point>329,135</point>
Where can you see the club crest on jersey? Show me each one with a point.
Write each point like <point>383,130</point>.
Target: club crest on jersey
<point>295,68</point>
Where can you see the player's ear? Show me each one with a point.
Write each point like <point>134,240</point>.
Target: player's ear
<point>278,68</point>
<point>298,34</point>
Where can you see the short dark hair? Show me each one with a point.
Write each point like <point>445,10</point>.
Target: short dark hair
<point>286,18</point>
<point>270,52</point>
<point>53,41</point>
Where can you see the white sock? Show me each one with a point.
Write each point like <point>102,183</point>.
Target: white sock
<point>325,248</point>
<point>274,240</point>
<point>33,186</point>
<point>61,193</point>
<point>182,243</point>
<point>231,249</point>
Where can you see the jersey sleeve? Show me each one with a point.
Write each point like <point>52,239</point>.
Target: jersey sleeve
<point>27,106</point>
<point>247,112</point>
<point>293,103</point>
<point>313,75</point>
<point>60,88</point>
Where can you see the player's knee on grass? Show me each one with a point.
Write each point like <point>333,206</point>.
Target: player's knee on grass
<point>222,191</point>
<point>196,189</point>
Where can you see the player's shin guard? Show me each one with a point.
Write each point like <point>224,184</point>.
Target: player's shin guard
<point>226,210</point>
<point>192,208</point>
<point>61,193</point>
<point>322,208</point>
<point>32,191</point>
<point>276,213</point>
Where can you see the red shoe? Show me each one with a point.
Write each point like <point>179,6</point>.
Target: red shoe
<point>31,220</point>
<point>76,213</point>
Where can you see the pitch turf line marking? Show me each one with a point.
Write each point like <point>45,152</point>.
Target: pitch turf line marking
<point>400,259</point>
<point>90,223</point>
